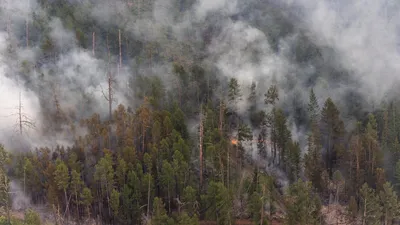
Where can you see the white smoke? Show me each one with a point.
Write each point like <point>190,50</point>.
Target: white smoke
<point>20,201</point>
<point>362,34</point>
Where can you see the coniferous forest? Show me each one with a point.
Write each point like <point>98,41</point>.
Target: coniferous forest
<point>164,112</point>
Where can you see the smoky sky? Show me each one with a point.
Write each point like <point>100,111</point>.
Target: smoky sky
<point>347,50</point>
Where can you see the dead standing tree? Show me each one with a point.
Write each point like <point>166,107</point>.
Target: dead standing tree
<point>201,133</point>
<point>109,96</point>
<point>23,120</point>
<point>93,42</point>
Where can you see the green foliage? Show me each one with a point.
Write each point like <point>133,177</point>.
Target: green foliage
<point>185,219</point>
<point>159,216</point>
<point>234,92</point>
<point>303,207</point>
<point>114,201</point>
<point>219,203</point>
<point>154,156</point>
<point>104,172</point>
<point>256,206</point>
<point>370,205</point>
<point>32,217</point>
<point>332,130</point>
<point>190,200</point>
<point>272,95</point>
<point>313,108</point>
<point>389,202</point>
<point>61,175</point>
<point>397,173</point>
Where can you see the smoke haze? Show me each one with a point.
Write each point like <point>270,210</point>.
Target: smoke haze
<point>347,50</point>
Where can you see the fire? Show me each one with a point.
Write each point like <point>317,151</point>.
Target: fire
<point>234,141</point>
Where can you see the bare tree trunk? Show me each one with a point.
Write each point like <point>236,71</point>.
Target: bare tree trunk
<point>77,207</point>
<point>20,115</point>
<point>23,120</point>
<point>221,116</point>
<point>27,33</point>
<point>108,200</point>
<point>93,42</point>
<point>227,168</point>
<point>8,27</point>
<point>109,96</point>
<point>24,180</point>
<point>66,213</point>
<point>148,199</point>
<point>365,212</point>
<point>262,206</point>
<point>201,146</point>
<point>120,51</point>
<point>110,107</point>
<point>144,137</point>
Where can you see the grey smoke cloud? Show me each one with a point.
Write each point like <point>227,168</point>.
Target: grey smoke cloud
<point>248,41</point>
<point>365,34</point>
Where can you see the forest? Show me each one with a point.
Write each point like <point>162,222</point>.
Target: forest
<point>184,112</point>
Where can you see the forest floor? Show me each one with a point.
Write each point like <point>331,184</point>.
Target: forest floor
<point>240,222</point>
<point>336,214</point>
<point>333,215</point>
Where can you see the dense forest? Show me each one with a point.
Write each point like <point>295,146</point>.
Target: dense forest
<point>190,112</point>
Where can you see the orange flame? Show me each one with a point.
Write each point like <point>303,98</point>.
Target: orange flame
<point>234,141</point>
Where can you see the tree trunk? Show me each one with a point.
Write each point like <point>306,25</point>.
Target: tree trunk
<point>77,207</point>
<point>227,168</point>
<point>27,32</point>
<point>120,51</point>
<point>221,117</point>
<point>201,146</point>
<point>169,200</point>
<point>365,211</point>
<point>66,214</point>
<point>386,217</point>
<point>148,199</point>
<point>221,164</point>
<point>262,207</point>
<point>337,194</point>
<point>144,137</point>
<point>93,42</point>
<point>109,108</point>
<point>108,200</point>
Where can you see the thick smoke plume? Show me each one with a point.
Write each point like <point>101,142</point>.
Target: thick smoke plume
<point>347,50</point>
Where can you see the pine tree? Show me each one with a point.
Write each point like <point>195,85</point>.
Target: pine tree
<point>370,206</point>
<point>167,180</point>
<point>76,185</point>
<point>115,201</point>
<point>373,153</point>
<point>313,108</point>
<point>234,92</point>
<point>293,161</point>
<point>338,181</point>
<point>389,202</point>
<point>332,135</point>
<point>302,206</point>
<point>159,214</point>
<point>220,203</point>
<point>62,179</point>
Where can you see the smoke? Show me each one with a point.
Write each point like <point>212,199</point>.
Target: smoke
<point>346,50</point>
<point>365,36</point>
<point>20,201</point>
